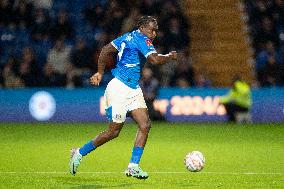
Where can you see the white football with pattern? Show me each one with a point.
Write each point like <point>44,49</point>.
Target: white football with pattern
<point>194,161</point>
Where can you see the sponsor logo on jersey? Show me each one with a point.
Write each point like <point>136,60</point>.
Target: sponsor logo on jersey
<point>130,65</point>
<point>149,42</point>
<point>128,38</point>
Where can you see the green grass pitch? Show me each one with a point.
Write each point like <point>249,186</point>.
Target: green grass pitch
<point>237,156</point>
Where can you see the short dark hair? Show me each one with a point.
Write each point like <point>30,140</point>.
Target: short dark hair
<point>144,20</point>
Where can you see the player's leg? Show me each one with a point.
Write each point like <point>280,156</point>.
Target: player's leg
<point>107,135</point>
<point>115,112</point>
<point>141,117</point>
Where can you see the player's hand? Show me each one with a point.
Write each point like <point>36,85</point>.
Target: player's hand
<point>173,54</point>
<point>96,78</point>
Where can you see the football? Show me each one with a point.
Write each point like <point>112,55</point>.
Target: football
<point>194,161</point>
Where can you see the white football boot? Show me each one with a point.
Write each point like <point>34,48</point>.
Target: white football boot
<point>75,160</point>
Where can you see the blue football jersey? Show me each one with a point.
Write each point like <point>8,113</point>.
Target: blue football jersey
<point>133,49</point>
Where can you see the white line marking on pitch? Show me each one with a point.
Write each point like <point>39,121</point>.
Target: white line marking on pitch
<point>154,172</point>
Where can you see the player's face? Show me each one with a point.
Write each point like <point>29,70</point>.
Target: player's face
<point>150,30</point>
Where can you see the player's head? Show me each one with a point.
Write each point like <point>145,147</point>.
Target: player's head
<point>148,26</point>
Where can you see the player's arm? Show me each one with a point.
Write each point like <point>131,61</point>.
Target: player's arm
<point>156,58</point>
<point>105,56</point>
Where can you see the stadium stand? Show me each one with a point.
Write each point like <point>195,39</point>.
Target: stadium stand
<point>266,26</point>
<point>35,30</point>
<point>218,47</point>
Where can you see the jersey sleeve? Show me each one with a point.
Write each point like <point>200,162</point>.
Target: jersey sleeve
<point>146,47</point>
<point>117,42</point>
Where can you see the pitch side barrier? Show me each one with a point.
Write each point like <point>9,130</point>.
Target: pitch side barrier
<point>87,105</point>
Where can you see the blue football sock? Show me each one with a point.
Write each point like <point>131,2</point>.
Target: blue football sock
<point>136,155</point>
<point>87,148</point>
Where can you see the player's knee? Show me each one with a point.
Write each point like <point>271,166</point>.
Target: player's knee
<point>114,133</point>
